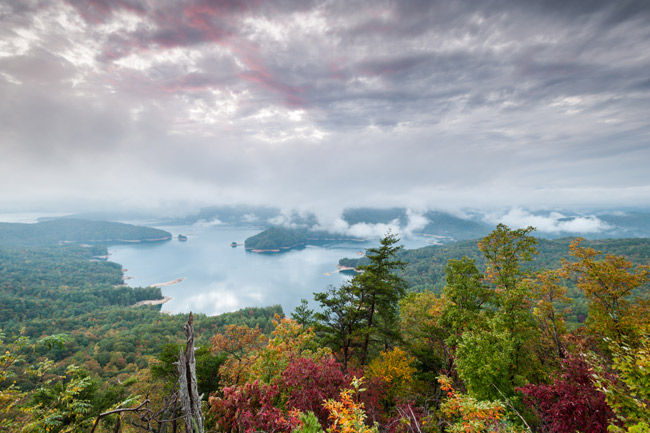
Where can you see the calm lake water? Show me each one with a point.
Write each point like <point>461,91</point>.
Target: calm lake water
<point>219,278</point>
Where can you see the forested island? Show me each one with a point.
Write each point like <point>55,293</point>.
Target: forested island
<point>478,336</point>
<point>276,239</point>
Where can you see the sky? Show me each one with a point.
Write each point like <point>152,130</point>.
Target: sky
<point>169,105</point>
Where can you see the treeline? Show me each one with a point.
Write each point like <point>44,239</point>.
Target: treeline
<point>115,342</point>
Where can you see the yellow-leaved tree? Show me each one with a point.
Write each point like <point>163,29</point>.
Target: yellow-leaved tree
<point>396,369</point>
<point>610,283</point>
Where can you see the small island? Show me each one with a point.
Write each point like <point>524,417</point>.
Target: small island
<point>182,238</point>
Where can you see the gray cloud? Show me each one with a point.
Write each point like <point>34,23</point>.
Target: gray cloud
<point>296,104</point>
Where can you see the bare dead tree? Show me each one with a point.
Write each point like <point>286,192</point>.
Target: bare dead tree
<point>188,391</point>
<point>146,419</point>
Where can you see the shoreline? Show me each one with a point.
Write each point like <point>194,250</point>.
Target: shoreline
<point>168,283</point>
<point>341,268</point>
<point>153,301</point>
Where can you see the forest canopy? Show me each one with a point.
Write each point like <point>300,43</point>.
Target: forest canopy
<point>496,346</point>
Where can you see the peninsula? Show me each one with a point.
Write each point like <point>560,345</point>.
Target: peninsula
<point>72,230</point>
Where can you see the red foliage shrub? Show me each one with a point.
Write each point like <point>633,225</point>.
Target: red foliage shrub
<point>372,396</point>
<point>250,408</point>
<point>572,402</point>
<point>309,383</point>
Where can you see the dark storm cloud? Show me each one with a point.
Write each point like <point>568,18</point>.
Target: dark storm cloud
<point>291,102</point>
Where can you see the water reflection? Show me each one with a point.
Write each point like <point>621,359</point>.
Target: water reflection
<point>219,278</point>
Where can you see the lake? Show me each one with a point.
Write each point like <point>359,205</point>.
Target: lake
<point>219,278</point>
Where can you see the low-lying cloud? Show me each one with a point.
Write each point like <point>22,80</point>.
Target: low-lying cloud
<point>336,224</point>
<point>554,222</point>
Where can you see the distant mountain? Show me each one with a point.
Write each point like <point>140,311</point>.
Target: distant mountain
<point>375,216</point>
<point>595,224</point>
<point>444,224</point>
<point>236,215</point>
<point>106,216</point>
<point>446,227</point>
<point>77,231</point>
<point>627,224</point>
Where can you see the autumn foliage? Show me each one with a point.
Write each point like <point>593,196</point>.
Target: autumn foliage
<point>308,383</point>
<point>463,413</point>
<point>571,402</point>
<point>347,414</point>
<point>250,408</point>
<point>493,352</point>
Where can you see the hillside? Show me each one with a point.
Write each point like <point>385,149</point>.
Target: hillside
<point>78,231</point>
<point>426,266</point>
<point>62,288</point>
<point>437,223</point>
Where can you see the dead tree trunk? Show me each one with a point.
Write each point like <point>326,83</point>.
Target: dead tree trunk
<point>188,394</point>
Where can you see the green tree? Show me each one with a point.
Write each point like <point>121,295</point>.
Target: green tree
<point>338,324</point>
<point>496,355</point>
<point>423,333</point>
<point>548,291</point>
<point>465,298</point>
<point>628,393</point>
<point>364,312</point>
<point>505,251</point>
<point>57,404</point>
<point>380,292</point>
<point>303,314</point>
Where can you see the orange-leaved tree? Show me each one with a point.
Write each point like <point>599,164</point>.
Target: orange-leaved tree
<point>289,341</point>
<point>347,415</point>
<point>241,344</point>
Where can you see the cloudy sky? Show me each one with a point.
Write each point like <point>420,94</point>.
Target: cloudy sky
<point>421,103</point>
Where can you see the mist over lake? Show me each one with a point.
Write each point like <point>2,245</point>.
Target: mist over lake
<point>219,278</point>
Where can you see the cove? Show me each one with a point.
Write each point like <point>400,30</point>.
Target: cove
<point>217,278</point>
